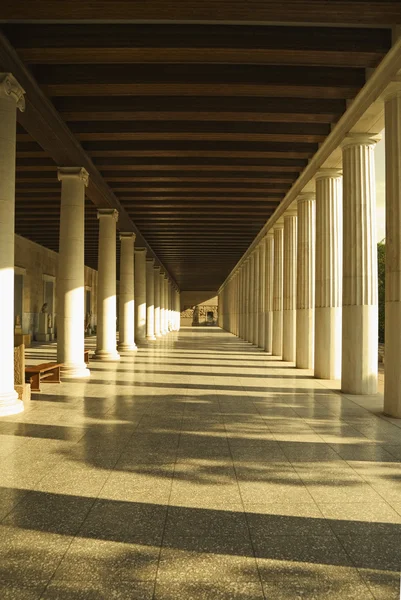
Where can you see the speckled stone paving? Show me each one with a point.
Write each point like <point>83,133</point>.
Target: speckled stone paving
<point>199,468</point>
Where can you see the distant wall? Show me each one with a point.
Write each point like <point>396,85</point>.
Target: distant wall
<point>195,305</point>
<point>36,276</point>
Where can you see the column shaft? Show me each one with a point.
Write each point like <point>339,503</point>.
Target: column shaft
<point>289,286</point>
<point>106,339</point>
<point>305,315</point>
<point>360,326</point>
<point>11,96</point>
<point>277,344</point>
<point>140,294</point>
<point>71,273</point>
<point>262,267</point>
<point>251,333</point>
<point>127,306</point>
<point>162,306</point>
<point>157,301</point>
<point>269,279</point>
<point>150,300</point>
<point>328,311</point>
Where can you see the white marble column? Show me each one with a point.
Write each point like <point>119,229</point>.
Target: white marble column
<point>328,295</point>
<point>106,337</point>
<point>360,319</point>
<point>256,284</point>
<point>150,300</point>
<point>165,285</point>
<point>140,295</point>
<point>251,333</point>
<point>162,305</point>
<point>277,344</point>
<point>11,97</point>
<point>262,275</point>
<point>290,285</point>
<point>156,272</point>
<point>305,314</point>
<point>269,278</point>
<point>169,290</point>
<point>179,310</point>
<point>246,300</point>
<point>71,273</point>
<point>126,319</point>
<point>392,364</point>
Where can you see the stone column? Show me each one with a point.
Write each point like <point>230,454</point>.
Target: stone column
<point>162,306</point>
<point>11,97</point>
<point>248,300</point>
<point>329,251</point>
<point>106,338</point>
<point>169,288</point>
<point>71,273</point>
<point>269,279</point>
<point>256,283</point>
<point>262,267</point>
<point>290,286</point>
<point>359,327</point>
<point>127,305</point>
<point>277,344</point>
<point>140,295</point>
<point>150,300</point>
<point>392,364</point>
<point>157,301</point>
<point>305,313</point>
<point>251,331</point>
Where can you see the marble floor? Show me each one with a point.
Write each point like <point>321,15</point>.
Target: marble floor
<point>199,469</point>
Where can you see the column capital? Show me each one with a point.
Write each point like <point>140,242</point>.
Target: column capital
<point>156,268</point>
<point>360,139</point>
<point>393,90</point>
<point>278,225</point>
<point>127,235</point>
<point>269,235</point>
<point>150,260</point>
<point>328,174</point>
<point>107,212</point>
<point>290,214</point>
<point>161,272</point>
<point>9,87</point>
<point>73,173</point>
<point>306,197</point>
<point>140,250</point>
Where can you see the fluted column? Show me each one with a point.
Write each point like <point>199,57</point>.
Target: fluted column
<point>165,283</point>
<point>140,294</point>
<point>305,315</point>
<point>106,336</point>
<point>126,318</point>
<point>251,335</point>
<point>290,286</point>
<point>261,306</point>
<point>150,300</point>
<point>392,364</point>
<point>71,273</point>
<point>277,344</point>
<point>11,97</point>
<point>360,326</point>
<point>156,274</point>
<point>328,295</point>
<point>178,310</point>
<point>269,279</point>
<point>162,306</point>
<point>256,284</point>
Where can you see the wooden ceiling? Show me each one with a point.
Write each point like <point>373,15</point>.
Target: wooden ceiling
<point>194,131</point>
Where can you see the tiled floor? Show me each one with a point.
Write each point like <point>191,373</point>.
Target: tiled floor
<point>199,469</point>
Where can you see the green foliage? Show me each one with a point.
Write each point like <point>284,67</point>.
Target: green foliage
<point>381,276</point>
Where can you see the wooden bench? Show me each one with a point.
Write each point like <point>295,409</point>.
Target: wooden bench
<point>48,372</point>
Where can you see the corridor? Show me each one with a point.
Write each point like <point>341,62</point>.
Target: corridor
<point>198,468</point>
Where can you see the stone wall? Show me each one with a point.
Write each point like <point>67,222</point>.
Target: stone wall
<point>37,264</point>
<point>195,306</point>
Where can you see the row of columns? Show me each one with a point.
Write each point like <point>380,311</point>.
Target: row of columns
<point>317,269</point>
<point>149,301</point>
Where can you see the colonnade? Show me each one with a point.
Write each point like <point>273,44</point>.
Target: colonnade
<point>149,305</point>
<point>317,269</point>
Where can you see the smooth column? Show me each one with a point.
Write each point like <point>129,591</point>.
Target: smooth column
<point>262,275</point>
<point>140,294</point>
<point>150,300</point>
<point>290,286</point>
<point>328,295</point>
<point>106,339</point>
<point>71,273</point>
<point>392,364</point>
<point>277,345</point>
<point>269,279</point>
<point>162,306</point>
<point>251,333</point>
<point>11,97</point>
<point>127,305</point>
<point>359,326</point>
<point>305,315</point>
<point>156,273</point>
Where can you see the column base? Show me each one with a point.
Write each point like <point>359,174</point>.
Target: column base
<point>158,335</point>
<point>10,404</point>
<point>127,347</point>
<point>106,355</point>
<point>74,371</point>
<point>150,338</point>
